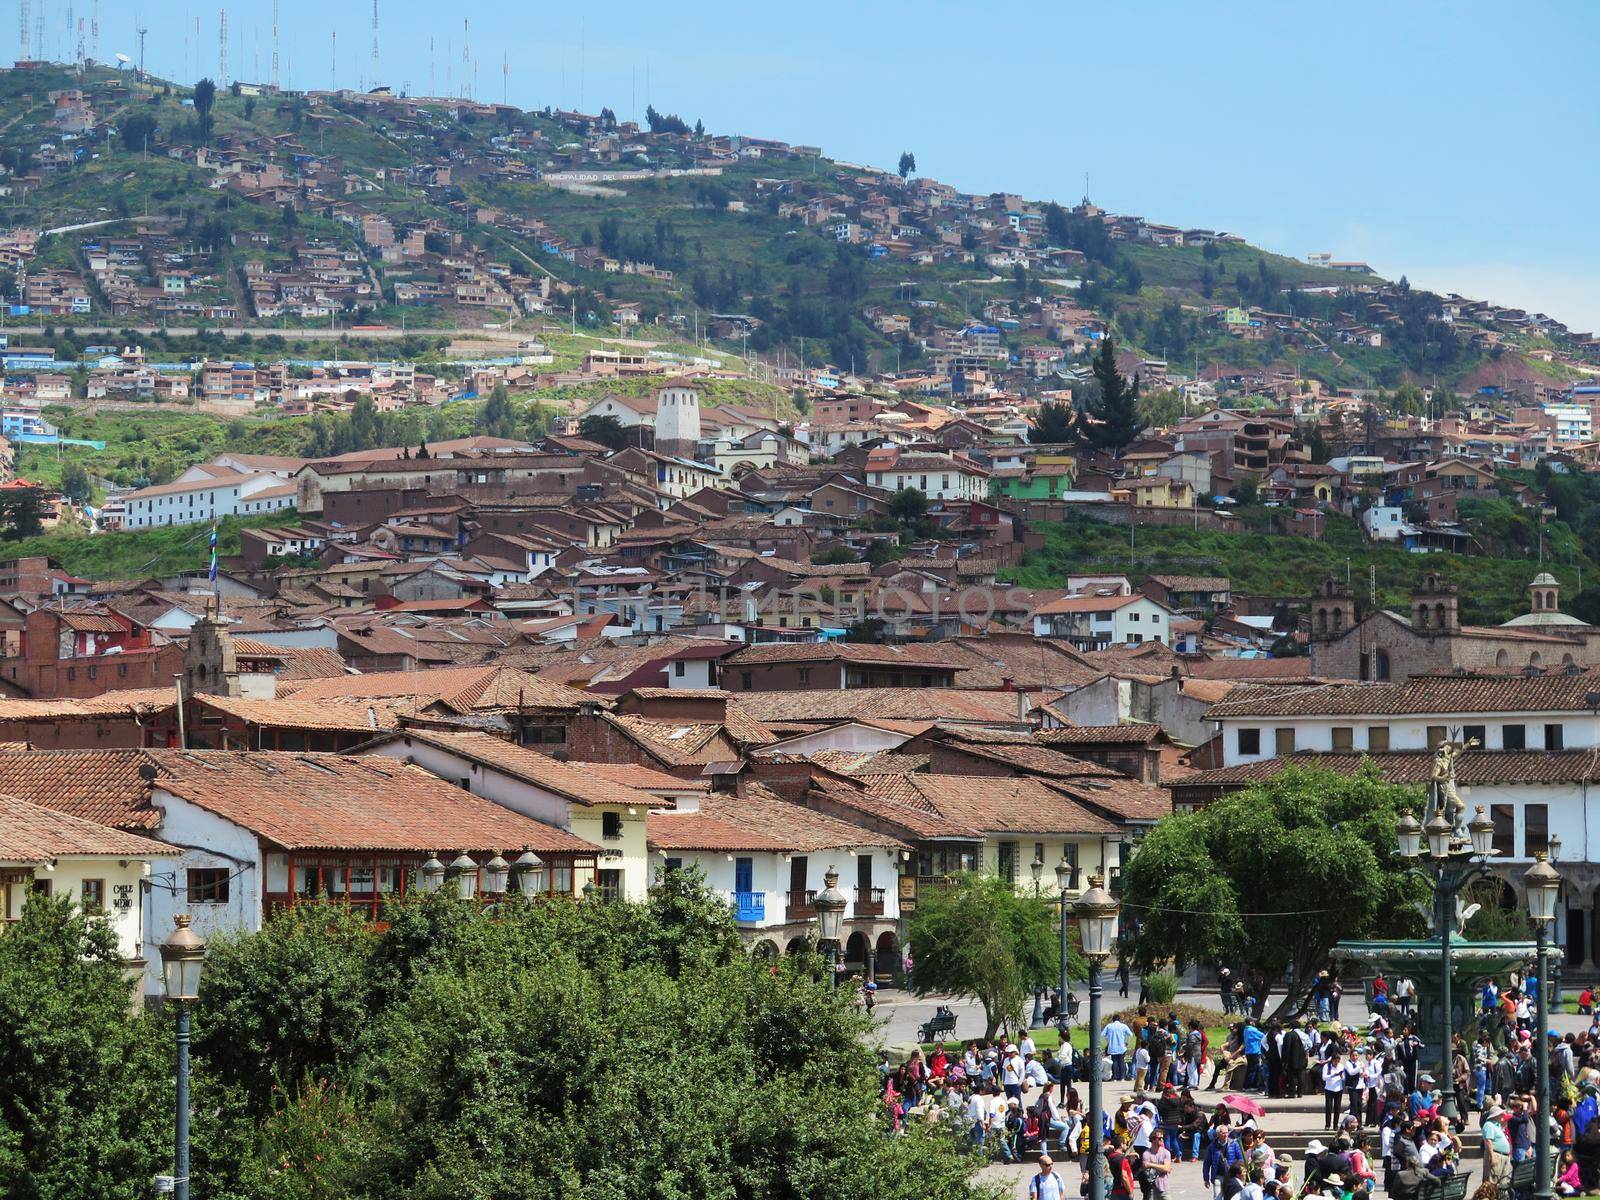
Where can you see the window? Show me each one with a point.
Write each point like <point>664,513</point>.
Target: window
<point>1344,739</point>
<point>1249,741</point>
<point>1377,738</point>
<point>611,825</point>
<point>1436,736</point>
<point>805,674</point>
<point>746,680</point>
<point>1480,733</point>
<point>680,668</point>
<point>1505,838</point>
<point>1535,829</point>
<point>1133,616</point>
<point>1514,737</point>
<point>208,885</point>
<point>1007,861</point>
<point>1283,741</point>
<point>92,896</point>
<point>1555,736</point>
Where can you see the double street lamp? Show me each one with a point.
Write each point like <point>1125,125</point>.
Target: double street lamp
<point>1449,865</point>
<point>182,956</point>
<point>1096,912</point>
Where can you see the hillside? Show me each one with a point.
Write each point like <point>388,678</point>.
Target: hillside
<point>749,235</point>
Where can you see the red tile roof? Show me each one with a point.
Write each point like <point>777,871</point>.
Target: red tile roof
<point>32,833</point>
<point>463,689</point>
<point>334,802</point>
<point>1421,694</point>
<point>98,785</point>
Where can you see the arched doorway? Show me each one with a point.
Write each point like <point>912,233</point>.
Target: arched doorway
<point>857,951</point>
<point>766,948</point>
<point>798,945</point>
<point>888,964</point>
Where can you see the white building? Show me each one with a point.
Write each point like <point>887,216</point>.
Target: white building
<point>103,870</point>
<point>1092,622</point>
<point>1573,422</point>
<point>936,476</point>
<point>677,421</point>
<point>1384,522</point>
<point>206,493</point>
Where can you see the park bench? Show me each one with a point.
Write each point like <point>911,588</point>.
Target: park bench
<point>1525,1175</point>
<point>1452,1188</point>
<point>936,1026</point>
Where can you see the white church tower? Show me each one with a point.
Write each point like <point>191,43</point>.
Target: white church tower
<point>677,421</point>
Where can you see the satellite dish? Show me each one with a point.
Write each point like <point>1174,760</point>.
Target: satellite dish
<point>123,58</point>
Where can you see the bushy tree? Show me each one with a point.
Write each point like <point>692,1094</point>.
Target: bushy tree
<point>604,429</point>
<point>980,937</point>
<point>908,506</point>
<point>1055,424</point>
<point>1270,877</point>
<point>497,418</point>
<point>1116,410</point>
<point>908,163</point>
<point>86,1103</point>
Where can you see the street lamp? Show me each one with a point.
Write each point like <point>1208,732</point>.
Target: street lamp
<point>1064,874</point>
<point>466,873</point>
<point>829,905</point>
<point>496,873</point>
<point>432,874</point>
<point>1037,868</point>
<point>1450,863</point>
<point>182,955</point>
<point>1096,911</point>
<point>530,873</point>
<point>1543,883</point>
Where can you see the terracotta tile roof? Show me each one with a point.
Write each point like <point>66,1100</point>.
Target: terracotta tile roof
<point>1493,767</point>
<point>1137,734</point>
<point>32,833</point>
<point>334,802</point>
<point>991,805</point>
<point>463,689</point>
<point>700,831</point>
<point>762,811</point>
<point>892,704</point>
<point>1421,694</point>
<point>671,693</point>
<point>677,743</point>
<point>91,622</point>
<point>297,712</point>
<point>1089,604</point>
<point>644,778</point>
<point>1117,798</point>
<point>135,701</point>
<point>574,781</point>
<point>1025,661</point>
<point>911,654</point>
<point>901,807</point>
<point>1192,583</point>
<point>869,762</point>
<point>98,785</point>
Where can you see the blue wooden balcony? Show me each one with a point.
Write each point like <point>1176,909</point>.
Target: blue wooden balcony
<point>749,906</point>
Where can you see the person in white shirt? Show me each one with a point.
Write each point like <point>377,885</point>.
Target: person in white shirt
<point>1034,1075</point>
<point>977,1117</point>
<point>1011,1069</point>
<point>1332,1088</point>
<point>1026,1047</point>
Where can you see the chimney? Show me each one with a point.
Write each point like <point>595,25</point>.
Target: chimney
<point>1022,705</point>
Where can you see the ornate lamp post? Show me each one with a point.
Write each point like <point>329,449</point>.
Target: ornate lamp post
<point>1037,867</point>
<point>1063,883</point>
<point>496,874</point>
<point>182,955</point>
<point>431,877</point>
<point>1449,862</point>
<point>465,871</point>
<point>1543,884</point>
<point>1096,911</point>
<point>829,905</point>
<point>530,873</point>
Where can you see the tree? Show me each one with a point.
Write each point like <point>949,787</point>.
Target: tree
<point>1116,411</point>
<point>21,514</point>
<point>1247,490</point>
<point>908,163</point>
<point>699,128</point>
<point>980,937</point>
<point>458,1050</point>
<point>1211,885</point>
<point>86,1108</point>
<point>908,506</point>
<point>205,96</point>
<point>75,484</point>
<point>138,131</point>
<point>606,430</point>
<point>1056,424</point>
<point>835,556</point>
<point>496,418</point>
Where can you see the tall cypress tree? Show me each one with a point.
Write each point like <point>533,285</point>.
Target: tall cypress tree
<point>1117,410</point>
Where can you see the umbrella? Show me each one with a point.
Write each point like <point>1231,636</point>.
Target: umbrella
<point>1245,1105</point>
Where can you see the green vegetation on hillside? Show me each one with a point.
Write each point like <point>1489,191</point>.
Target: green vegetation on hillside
<point>1493,589</point>
<point>136,554</point>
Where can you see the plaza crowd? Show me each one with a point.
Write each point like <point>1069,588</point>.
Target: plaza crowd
<point>1382,1107</point>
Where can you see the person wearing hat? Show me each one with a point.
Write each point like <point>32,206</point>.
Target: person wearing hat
<point>1332,1186</point>
<point>1496,1147</point>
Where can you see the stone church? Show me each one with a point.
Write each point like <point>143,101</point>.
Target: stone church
<point>1395,646</point>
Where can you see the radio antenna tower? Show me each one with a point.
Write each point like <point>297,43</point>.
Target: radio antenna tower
<point>335,60</point>
<point>222,49</point>
<point>505,78</point>
<point>374,44</point>
<point>142,30</point>
<point>80,43</point>
<point>274,45</point>
<point>94,32</point>
<point>431,84</point>
<point>25,42</point>
<point>466,62</point>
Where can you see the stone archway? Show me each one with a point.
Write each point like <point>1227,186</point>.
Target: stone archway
<point>857,952</point>
<point>800,944</point>
<point>766,948</point>
<point>887,953</point>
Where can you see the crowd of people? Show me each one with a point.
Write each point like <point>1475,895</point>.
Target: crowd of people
<point>1383,1110</point>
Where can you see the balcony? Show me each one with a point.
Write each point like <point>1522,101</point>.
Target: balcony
<point>749,906</point>
<point>869,902</point>
<point>798,906</point>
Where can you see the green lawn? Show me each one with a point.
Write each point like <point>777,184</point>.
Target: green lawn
<point>135,554</point>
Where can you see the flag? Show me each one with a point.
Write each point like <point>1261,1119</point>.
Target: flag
<point>213,575</point>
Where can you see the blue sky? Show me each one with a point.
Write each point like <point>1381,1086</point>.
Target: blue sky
<point>1451,142</point>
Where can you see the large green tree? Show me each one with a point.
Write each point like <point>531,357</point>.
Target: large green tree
<point>978,936</point>
<point>550,1049</point>
<point>1056,424</point>
<point>1270,877</point>
<point>85,1085</point>
<point>1115,412</point>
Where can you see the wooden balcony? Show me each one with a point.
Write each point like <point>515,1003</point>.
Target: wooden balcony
<point>869,902</point>
<point>798,906</point>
